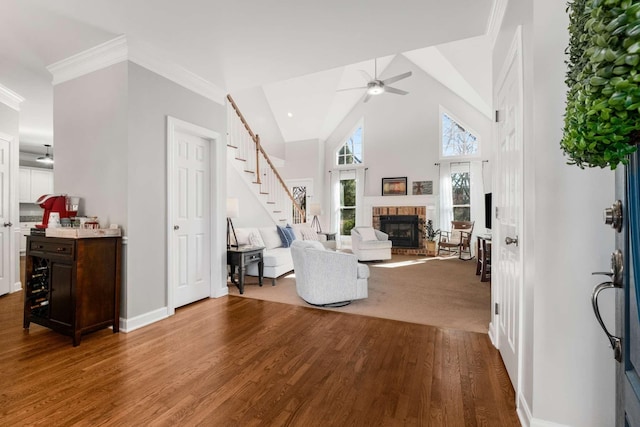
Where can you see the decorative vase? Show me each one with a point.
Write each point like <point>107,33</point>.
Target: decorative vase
<point>431,247</point>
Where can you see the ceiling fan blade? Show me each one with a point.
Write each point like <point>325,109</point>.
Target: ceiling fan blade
<point>351,88</point>
<point>366,75</point>
<point>396,78</point>
<point>394,90</point>
<point>367,97</point>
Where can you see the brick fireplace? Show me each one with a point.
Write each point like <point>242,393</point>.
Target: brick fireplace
<point>403,213</point>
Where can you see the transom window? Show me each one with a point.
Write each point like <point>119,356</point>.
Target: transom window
<point>457,140</point>
<point>351,152</point>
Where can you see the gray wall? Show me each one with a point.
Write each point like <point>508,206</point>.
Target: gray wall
<point>110,139</point>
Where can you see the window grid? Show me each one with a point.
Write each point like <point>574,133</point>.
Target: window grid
<point>351,152</point>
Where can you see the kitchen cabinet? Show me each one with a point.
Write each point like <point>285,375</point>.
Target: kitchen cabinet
<point>33,183</point>
<point>73,285</point>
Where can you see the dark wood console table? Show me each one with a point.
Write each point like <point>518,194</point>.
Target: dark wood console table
<point>242,257</point>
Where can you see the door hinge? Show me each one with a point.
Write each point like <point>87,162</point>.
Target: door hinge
<point>497,116</point>
<point>496,310</point>
<point>497,213</point>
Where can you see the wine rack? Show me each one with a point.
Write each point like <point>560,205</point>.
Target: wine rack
<point>38,288</point>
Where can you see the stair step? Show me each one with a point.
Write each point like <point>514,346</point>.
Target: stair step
<point>271,203</point>
<point>248,171</point>
<point>263,192</point>
<point>242,160</point>
<point>232,146</point>
<point>277,211</point>
<point>256,182</point>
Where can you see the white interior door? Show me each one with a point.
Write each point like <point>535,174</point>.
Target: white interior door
<point>192,219</point>
<point>507,268</point>
<point>5,225</point>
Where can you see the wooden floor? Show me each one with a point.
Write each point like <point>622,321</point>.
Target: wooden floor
<point>240,362</point>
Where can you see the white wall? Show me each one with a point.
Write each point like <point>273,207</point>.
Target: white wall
<point>568,369</point>
<point>402,133</point>
<point>110,133</point>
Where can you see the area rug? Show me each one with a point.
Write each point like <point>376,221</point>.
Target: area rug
<point>429,291</point>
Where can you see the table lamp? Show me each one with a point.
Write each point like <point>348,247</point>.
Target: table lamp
<point>315,210</point>
<point>233,211</point>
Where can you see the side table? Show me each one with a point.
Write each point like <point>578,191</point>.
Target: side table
<point>240,258</point>
<point>330,236</point>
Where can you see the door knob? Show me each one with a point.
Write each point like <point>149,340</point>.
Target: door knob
<point>613,216</point>
<point>615,283</point>
<point>176,227</point>
<point>7,224</point>
<point>510,240</point>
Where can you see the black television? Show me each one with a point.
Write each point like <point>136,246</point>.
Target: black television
<point>487,210</point>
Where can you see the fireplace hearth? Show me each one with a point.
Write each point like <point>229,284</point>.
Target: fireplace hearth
<point>402,230</point>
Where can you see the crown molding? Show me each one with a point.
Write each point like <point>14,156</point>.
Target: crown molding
<point>90,60</point>
<point>118,50</point>
<point>146,57</point>
<point>495,20</point>
<point>10,98</point>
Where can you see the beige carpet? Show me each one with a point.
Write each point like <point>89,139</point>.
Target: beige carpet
<point>429,291</point>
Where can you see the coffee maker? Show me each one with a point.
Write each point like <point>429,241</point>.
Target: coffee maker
<point>65,206</point>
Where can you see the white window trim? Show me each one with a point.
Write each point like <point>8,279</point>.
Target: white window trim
<point>442,110</point>
<point>359,123</point>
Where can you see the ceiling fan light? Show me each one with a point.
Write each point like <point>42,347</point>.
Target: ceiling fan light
<point>375,90</point>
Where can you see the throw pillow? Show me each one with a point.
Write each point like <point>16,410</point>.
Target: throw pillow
<point>308,233</point>
<point>291,235</point>
<point>367,234</point>
<point>255,239</point>
<point>285,236</point>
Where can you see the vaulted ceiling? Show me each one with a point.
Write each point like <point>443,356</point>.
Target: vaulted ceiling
<point>296,52</point>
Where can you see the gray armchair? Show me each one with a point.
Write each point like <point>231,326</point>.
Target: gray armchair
<point>325,277</point>
<point>369,244</point>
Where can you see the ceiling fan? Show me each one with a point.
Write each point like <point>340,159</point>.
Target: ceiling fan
<point>375,86</point>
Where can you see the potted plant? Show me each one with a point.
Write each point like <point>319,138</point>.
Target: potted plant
<point>602,120</point>
<point>430,238</point>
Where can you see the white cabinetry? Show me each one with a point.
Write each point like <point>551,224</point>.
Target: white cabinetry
<point>34,183</point>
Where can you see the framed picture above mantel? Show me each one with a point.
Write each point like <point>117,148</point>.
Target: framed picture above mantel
<point>394,186</point>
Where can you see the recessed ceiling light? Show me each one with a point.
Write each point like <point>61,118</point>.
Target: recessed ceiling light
<point>290,114</point>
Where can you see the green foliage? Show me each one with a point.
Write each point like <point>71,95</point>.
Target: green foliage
<point>427,230</point>
<point>602,120</point>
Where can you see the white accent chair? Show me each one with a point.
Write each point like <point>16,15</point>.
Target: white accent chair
<point>325,277</point>
<point>369,244</point>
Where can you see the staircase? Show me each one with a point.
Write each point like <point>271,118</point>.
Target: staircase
<point>246,155</point>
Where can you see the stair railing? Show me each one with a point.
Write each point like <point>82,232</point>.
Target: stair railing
<point>256,161</point>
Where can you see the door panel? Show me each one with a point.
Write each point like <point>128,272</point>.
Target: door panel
<point>627,315</point>
<point>5,225</point>
<point>192,222</point>
<point>506,232</point>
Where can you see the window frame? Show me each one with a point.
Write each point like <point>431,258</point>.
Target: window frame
<point>336,155</point>
<point>459,166</point>
<point>455,158</point>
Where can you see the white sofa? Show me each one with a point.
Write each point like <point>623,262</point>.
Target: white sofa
<point>328,278</point>
<point>369,244</point>
<point>277,259</point>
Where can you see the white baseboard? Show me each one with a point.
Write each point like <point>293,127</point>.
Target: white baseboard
<point>128,325</point>
<point>217,293</point>
<point>524,413</point>
<point>527,420</point>
<point>492,334</point>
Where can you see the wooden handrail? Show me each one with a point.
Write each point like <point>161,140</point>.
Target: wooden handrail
<point>256,139</point>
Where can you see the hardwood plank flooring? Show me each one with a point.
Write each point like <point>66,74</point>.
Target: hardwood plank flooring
<point>236,361</point>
